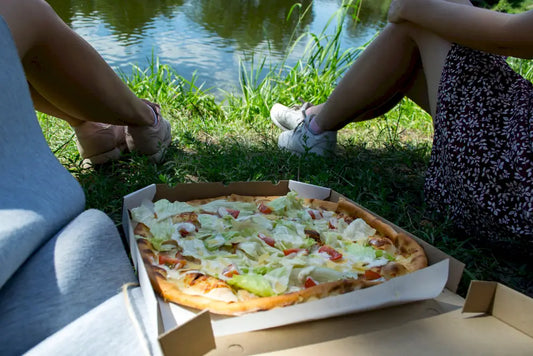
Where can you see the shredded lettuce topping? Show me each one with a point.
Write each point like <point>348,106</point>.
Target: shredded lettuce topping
<point>265,254</point>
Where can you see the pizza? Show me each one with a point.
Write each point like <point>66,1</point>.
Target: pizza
<point>239,254</point>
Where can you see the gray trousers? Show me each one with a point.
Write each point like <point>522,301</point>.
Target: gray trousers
<point>61,268</point>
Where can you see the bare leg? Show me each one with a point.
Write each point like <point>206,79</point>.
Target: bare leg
<point>46,107</point>
<point>73,80</point>
<point>388,69</point>
<point>416,90</point>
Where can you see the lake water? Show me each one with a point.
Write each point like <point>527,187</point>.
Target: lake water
<point>209,37</point>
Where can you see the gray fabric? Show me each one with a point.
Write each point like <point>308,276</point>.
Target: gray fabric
<point>61,269</point>
<point>78,269</point>
<point>37,195</point>
<point>106,330</point>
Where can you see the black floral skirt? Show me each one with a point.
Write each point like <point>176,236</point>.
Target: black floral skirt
<point>481,166</point>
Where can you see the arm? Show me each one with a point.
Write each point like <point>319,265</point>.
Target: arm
<point>491,31</point>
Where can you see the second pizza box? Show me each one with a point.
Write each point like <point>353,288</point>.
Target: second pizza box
<point>405,299</point>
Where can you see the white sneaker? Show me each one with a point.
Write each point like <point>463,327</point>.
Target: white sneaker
<point>301,140</point>
<point>288,118</point>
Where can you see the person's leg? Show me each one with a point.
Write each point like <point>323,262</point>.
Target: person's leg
<point>371,88</point>
<point>403,59</point>
<point>66,71</point>
<point>46,107</point>
<point>70,80</point>
<point>386,71</point>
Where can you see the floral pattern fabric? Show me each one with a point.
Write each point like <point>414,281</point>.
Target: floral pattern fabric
<point>481,166</point>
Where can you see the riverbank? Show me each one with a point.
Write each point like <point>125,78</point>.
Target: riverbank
<point>380,163</point>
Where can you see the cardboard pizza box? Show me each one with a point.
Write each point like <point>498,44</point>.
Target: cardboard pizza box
<point>339,319</point>
<point>494,320</point>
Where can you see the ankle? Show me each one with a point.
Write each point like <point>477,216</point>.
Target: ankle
<point>154,113</point>
<point>313,126</point>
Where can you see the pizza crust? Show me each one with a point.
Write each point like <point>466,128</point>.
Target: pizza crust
<point>170,292</point>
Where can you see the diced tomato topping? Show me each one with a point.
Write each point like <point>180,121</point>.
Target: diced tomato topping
<point>185,228</point>
<point>227,211</point>
<point>315,214</point>
<point>268,240</point>
<point>183,232</point>
<point>334,255</point>
<point>264,209</point>
<point>230,271</point>
<point>172,262</point>
<point>293,250</point>
<point>234,212</point>
<point>309,282</point>
<point>333,223</point>
<point>370,275</point>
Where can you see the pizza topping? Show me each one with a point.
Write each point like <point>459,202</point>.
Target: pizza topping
<point>358,230</point>
<point>185,228</point>
<point>264,209</point>
<point>309,282</point>
<point>222,211</point>
<point>172,262</point>
<point>333,223</point>
<point>288,205</point>
<point>334,255</point>
<point>253,283</point>
<point>214,242</point>
<point>230,271</point>
<point>315,214</point>
<point>239,250</point>
<point>290,251</point>
<point>313,234</point>
<point>165,209</point>
<point>268,240</point>
<point>371,275</point>
<point>381,243</point>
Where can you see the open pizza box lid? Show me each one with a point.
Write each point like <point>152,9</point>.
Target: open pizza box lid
<point>337,319</point>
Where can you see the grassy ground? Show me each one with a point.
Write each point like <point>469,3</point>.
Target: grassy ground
<point>380,163</point>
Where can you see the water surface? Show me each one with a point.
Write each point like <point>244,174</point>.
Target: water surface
<point>208,37</point>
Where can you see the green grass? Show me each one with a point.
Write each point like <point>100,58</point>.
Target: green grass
<point>380,163</point>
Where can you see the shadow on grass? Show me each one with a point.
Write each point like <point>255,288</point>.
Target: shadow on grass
<point>388,181</point>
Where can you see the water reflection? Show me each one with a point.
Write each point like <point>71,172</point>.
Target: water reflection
<point>209,37</point>
<point>247,24</point>
<point>127,20</point>
<point>372,17</point>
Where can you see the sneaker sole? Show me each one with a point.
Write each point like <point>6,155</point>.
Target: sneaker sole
<point>102,158</point>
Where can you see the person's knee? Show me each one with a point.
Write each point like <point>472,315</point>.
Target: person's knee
<point>27,20</point>
<point>403,29</point>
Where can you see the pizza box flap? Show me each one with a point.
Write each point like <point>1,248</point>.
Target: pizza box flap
<point>502,326</point>
<point>445,334</point>
<point>196,331</point>
<point>502,302</point>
